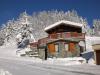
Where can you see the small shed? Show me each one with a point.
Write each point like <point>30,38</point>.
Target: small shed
<point>96,48</point>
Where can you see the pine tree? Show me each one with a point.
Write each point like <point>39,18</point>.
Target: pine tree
<point>36,23</point>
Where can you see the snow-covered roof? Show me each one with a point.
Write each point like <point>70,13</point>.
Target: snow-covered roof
<point>64,22</point>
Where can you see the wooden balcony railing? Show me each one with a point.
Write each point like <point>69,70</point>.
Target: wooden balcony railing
<point>64,35</point>
<point>67,35</point>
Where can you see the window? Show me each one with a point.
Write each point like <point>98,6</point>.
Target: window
<point>56,47</point>
<point>66,47</point>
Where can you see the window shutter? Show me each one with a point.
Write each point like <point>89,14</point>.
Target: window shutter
<point>72,47</point>
<point>51,48</point>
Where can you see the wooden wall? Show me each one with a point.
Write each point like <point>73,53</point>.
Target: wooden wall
<point>62,52</point>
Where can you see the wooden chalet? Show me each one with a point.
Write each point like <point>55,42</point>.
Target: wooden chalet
<point>62,41</point>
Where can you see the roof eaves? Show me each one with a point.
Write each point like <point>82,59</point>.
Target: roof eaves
<point>65,22</point>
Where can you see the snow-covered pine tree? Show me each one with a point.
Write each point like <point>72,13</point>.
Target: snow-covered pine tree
<point>96,27</point>
<point>38,21</point>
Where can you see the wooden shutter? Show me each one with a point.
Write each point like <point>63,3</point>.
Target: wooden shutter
<point>71,47</point>
<point>51,48</point>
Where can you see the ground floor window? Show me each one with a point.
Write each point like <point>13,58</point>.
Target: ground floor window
<point>66,47</point>
<point>56,47</point>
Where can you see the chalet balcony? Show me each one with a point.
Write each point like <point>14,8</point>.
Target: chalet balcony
<point>66,35</point>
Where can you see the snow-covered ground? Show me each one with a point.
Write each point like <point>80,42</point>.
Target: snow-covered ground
<point>65,61</point>
<point>11,64</point>
<point>3,72</point>
<point>8,51</point>
<point>16,67</point>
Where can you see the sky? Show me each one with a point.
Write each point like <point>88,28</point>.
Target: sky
<point>9,9</point>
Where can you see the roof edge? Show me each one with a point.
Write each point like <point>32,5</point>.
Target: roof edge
<point>65,22</point>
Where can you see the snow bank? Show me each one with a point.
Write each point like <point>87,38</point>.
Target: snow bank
<point>3,72</point>
<point>20,52</point>
<point>10,43</point>
<point>90,41</point>
<point>91,61</point>
<point>65,61</point>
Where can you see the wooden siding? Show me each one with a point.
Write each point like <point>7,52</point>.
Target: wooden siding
<point>74,34</point>
<point>43,41</point>
<point>67,35</point>
<point>97,57</point>
<point>34,44</point>
<point>96,48</point>
<point>64,49</point>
